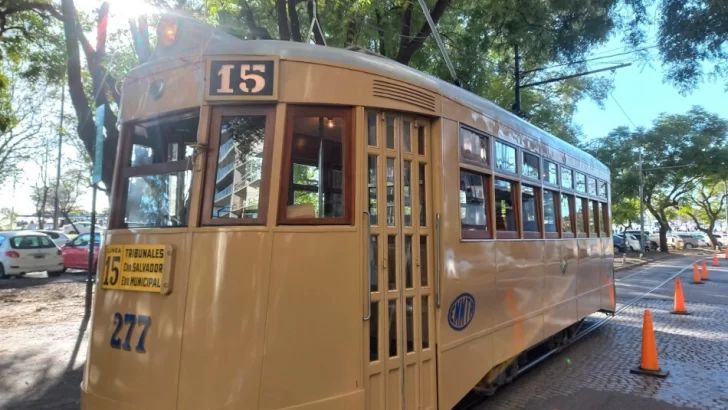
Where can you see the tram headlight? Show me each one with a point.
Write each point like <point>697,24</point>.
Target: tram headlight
<point>167,31</point>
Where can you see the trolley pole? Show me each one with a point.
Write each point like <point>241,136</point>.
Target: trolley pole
<point>642,211</point>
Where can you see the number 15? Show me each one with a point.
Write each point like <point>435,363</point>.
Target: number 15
<point>245,74</point>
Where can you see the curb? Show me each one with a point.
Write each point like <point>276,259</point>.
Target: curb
<point>636,265</point>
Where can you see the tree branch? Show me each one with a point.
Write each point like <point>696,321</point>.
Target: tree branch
<point>405,54</point>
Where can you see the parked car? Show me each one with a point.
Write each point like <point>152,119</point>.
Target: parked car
<point>619,244</point>
<point>75,252</point>
<point>22,252</point>
<point>632,243</point>
<point>688,240</point>
<point>81,227</point>
<point>58,237</point>
<point>649,243</point>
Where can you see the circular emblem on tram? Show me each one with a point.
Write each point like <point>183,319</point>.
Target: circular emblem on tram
<point>461,311</point>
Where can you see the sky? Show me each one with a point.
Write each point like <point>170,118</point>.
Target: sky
<point>638,89</point>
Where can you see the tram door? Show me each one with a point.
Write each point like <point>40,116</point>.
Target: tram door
<point>400,338</point>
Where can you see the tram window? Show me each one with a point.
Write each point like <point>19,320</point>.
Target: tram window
<point>591,185</point>
<point>406,137</point>
<point>317,181</point>
<point>390,132</point>
<point>579,214</point>
<point>374,264</point>
<point>567,177</point>
<point>410,321</point>
<point>423,261</point>
<point>408,274</point>
<point>407,192</point>
<point>602,189</point>
<point>505,157</point>
<point>580,182</point>
<point>372,128</point>
<point>474,190</point>
<point>530,167</point>
<point>595,210</point>
<point>425,323</point>
<point>606,226</point>
<point>529,210</point>
<point>591,217</point>
<point>567,227</point>
<point>372,188</point>
<point>421,140</point>
<point>551,172</point>
<point>422,195</point>
<point>374,333</point>
<point>549,212</point>
<point>473,147</point>
<point>505,208</point>
<point>392,312</point>
<point>157,173</point>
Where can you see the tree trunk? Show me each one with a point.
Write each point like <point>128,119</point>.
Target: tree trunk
<point>663,236</point>
<point>283,32</point>
<point>293,17</point>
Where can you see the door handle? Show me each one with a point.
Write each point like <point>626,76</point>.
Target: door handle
<point>368,224</point>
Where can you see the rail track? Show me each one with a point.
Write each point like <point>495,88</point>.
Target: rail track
<point>478,395</point>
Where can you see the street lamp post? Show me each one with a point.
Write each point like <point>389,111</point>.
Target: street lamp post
<point>642,209</point>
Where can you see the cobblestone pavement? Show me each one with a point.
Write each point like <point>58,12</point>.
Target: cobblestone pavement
<point>594,372</point>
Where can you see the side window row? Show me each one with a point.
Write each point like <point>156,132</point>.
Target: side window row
<point>521,210</point>
<point>475,150</point>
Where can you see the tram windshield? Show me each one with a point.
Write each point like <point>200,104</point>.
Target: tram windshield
<point>158,174</point>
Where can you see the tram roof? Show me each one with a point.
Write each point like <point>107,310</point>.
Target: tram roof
<point>205,40</point>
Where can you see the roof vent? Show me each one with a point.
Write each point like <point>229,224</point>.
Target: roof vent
<point>403,93</point>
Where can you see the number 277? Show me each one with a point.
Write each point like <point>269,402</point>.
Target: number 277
<point>132,320</point>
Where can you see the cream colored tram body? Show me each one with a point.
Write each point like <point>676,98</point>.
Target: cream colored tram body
<point>302,227</point>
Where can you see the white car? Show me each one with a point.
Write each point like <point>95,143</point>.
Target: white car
<point>82,227</point>
<point>22,252</point>
<point>632,242</point>
<point>58,237</point>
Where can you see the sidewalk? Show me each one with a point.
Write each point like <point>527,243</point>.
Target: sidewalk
<point>632,259</point>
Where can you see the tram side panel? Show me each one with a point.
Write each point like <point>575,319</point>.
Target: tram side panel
<point>559,291</point>
<point>125,360</point>
<point>225,319</point>
<point>465,351</point>
<point>313,342</point>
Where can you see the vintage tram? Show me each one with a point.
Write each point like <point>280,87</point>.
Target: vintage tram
<point>301,227</point>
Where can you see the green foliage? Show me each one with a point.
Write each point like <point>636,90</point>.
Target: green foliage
<point>693,35</point>
<point>680,152</point>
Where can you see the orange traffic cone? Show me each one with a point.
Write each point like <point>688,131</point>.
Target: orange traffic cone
<point>696,274</point>
<point>679,300</point>
<point>726,252</point>
<point>704,276</point>
<point>649,364</point>
<point>715,260</point>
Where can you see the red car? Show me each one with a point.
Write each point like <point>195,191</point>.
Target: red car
<point>75,252</point>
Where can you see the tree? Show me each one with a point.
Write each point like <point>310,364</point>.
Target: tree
<point>42,190</point>
<point>693,36</point>
<point>479,34</point>
<point>678,152</point>
<point>705,203</point>
<point>22,119</point>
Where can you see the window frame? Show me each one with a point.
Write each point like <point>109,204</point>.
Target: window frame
<point>606,219</point>
<point>584,217</point>
<point>213,141</point>
<point>572,216</point>
<point>576,183</point>
<point>349,162</point>
<point>537,192</point>
<point>557,212</point>
<point>516,198</point>
<point>123,171</point>
<point>487,233</point>
<point>538,168</point>
<point>561,178</point>
<point>488,149</point>
<point>495,158</point>
<point>593,213</point>
<point>544,172</point>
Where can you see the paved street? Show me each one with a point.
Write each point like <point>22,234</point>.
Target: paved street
<point>594,372</point>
